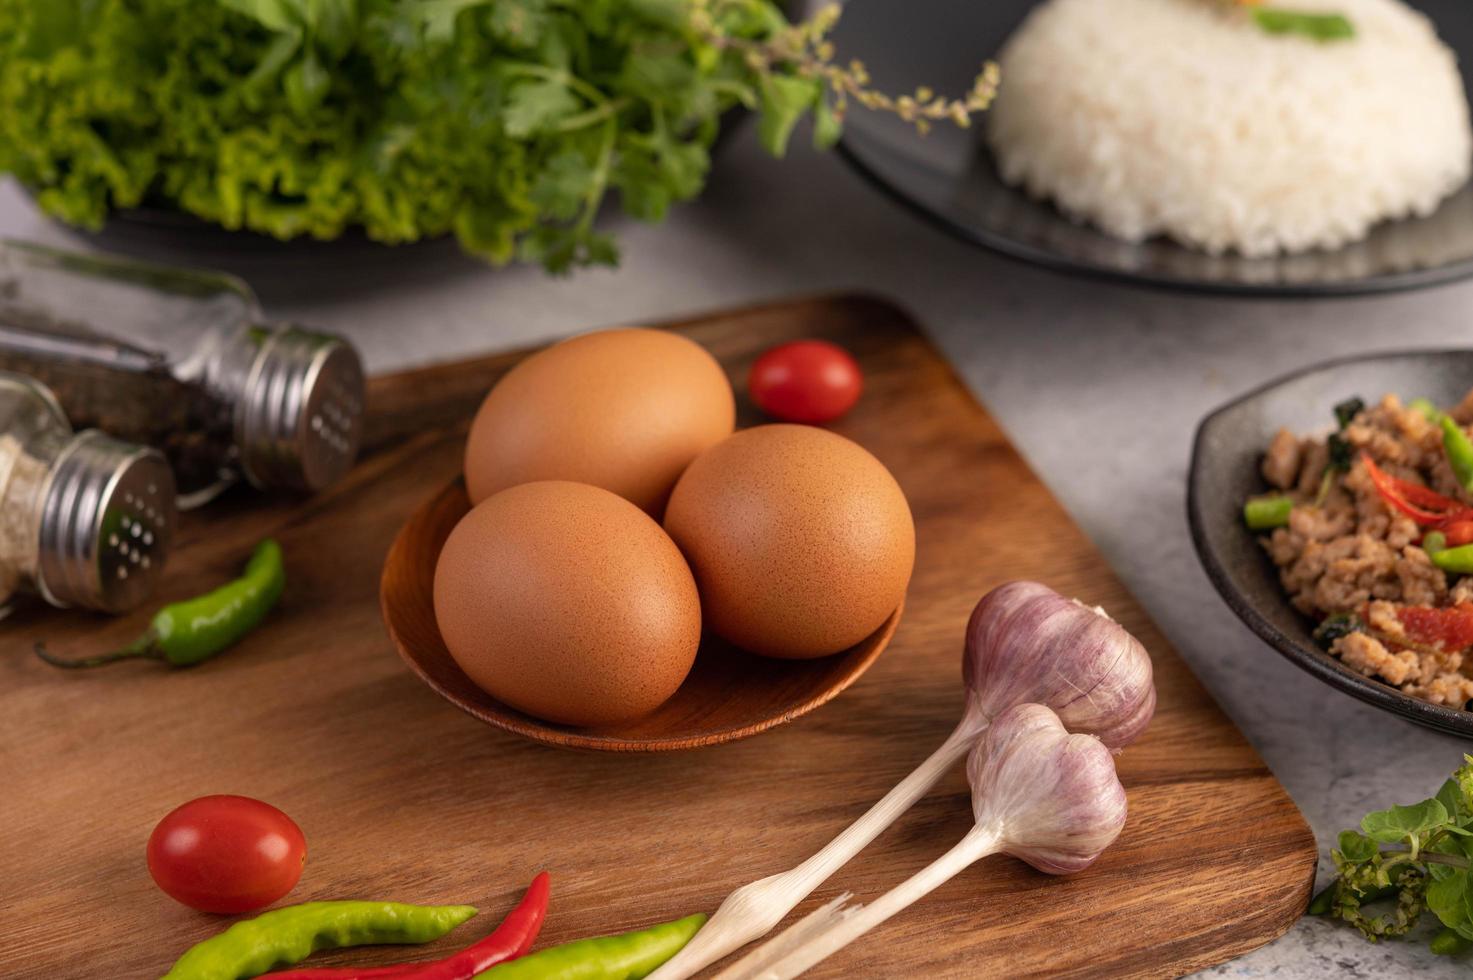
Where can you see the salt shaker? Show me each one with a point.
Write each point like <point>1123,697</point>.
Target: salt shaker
<point>85,519</point>
<point>185,361</point>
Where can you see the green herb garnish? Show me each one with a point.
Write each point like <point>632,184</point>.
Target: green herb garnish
<point>1334,627</point>
<point>1346,411</point>
<point>1339,450</point>
<point>506,123</point>
<point>1320,27</point>
<point>1418,854</point>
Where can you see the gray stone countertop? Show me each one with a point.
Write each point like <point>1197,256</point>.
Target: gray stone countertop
<point>1100,386</point>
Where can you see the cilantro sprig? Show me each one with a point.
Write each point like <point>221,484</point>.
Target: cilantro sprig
<point>1413,858</point>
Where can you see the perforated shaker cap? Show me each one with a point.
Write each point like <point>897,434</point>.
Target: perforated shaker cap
<point>107,520</point>
<point>300,420</point>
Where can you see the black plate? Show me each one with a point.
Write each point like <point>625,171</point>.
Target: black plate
<point>1224,472</point>
<point>949,176</point>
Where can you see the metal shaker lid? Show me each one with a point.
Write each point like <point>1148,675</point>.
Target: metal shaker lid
<point>107,520</point>
<point>300,418</point>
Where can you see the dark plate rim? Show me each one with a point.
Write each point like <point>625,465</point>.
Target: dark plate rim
<point>1377,285</point>
<point>1308,658</point>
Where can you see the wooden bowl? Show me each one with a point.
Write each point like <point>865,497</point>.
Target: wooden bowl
<point>729,694</point>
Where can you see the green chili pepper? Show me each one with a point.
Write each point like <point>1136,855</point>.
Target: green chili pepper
<point>1265,513</point>
<point>1448,942</point>
<point>1459,450</point>
<point>1457,560</point>
<point>188,632</point>
<point>1433,542</point>
<point>627,957</point>
<point>289,935</point>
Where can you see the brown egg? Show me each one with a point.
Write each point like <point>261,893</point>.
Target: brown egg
<point>801,542</point>
<point>567,603</point>
<point>626,410</point>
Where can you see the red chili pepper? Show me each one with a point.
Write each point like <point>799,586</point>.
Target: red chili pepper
<point>1426,507</point>
<point>512,939</point>
<point>1458,532</point>
<point>1447,628</point>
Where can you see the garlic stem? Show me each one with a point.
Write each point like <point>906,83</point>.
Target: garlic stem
<point>978,844</point>
<point>750,912</point>
<point>791,938</point>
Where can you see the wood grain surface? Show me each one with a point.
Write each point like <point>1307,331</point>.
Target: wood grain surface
<point>402,796</point>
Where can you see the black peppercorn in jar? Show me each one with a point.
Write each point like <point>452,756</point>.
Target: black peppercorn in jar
<point>182,360</point>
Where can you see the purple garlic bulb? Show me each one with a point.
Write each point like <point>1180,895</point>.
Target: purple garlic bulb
<point>1026,643</point>
<point>1052,798</point>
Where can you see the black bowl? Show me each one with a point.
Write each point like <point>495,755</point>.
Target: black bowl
<point>949,176</point>
<point>1224,472</point>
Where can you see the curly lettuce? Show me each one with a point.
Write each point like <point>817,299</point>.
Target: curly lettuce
<point>503,122</point>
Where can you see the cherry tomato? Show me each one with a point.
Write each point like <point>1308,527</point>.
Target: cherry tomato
<point>226,854</point>
<point>810,381</point>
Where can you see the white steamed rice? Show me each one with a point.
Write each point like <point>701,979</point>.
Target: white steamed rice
<point>1182,118</point>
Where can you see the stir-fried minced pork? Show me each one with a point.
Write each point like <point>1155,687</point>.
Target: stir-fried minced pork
<point>1345,552</point>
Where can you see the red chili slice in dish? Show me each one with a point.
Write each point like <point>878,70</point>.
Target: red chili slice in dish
<point>1426,507</point>
<point>1447,628</point>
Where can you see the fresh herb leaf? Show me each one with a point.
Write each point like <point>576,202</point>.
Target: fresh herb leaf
<point>536,106</point>
<point>1336,626</point>
<point>562,189</point>
<point>1464,778</point>
<point>1356,847</point>
<point>1404,823</point>
<point>306,83</point>
<point>506,123</point>
<point>1451,900</point>
<point>520,23</point>
<point>1448,942</point>
<point>1348,410</point>
<point>1420,855</point>
<point>274,15</point>
<point>784,101</point>
<point>1451,798</point>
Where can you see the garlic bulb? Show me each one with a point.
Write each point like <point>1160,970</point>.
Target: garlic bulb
<point>1025,642</point>
<point>1038,793</point>
<point>1052,798</point>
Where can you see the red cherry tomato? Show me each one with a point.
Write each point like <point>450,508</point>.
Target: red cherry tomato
<point>226,854</point>
<point>810,381</point>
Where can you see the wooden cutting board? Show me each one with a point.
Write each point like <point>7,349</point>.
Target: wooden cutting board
<point>402,796</point>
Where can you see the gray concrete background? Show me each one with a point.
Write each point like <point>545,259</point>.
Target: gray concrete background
<point>1099,385</point>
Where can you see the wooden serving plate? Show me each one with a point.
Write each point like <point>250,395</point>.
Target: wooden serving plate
<point>729,693</point>
<point>403,797</point>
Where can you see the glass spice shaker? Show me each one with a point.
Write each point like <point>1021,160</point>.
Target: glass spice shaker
<point>182,360</point>
<point>85,519</point>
